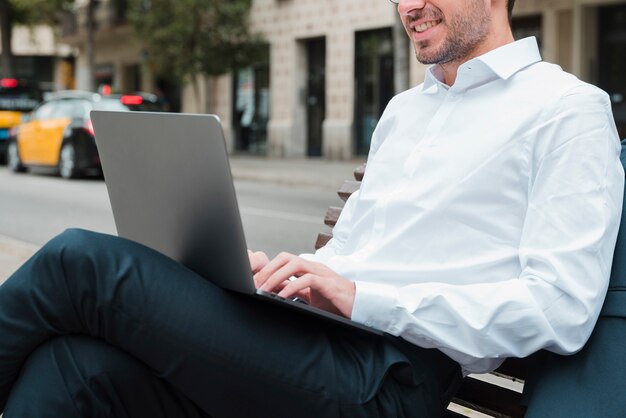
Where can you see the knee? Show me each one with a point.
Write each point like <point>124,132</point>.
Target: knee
<point>59,252</point>
<point>75,245</point>
<point>73,240</point>
<point>79,242</point>
<point>74,376</point>
<point>73,254</point>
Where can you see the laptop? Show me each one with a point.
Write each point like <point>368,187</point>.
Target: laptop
<point>171,189</point>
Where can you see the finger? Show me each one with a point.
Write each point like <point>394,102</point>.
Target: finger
<point>278,287</point>
<point>252,259</point>
<point>270,268</point>
<point>304,295</point>
<point>276,262</point>
<point>304,282</point>
<point>258,260</point>
<point>296,267</point>
<point>281,286</point>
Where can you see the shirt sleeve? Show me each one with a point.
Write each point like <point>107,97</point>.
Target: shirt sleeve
<point>565,253</point>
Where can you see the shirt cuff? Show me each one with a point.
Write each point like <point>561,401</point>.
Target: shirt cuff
<point>374,305</point>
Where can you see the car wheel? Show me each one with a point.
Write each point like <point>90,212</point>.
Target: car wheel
<point>13,158</point>
<point>67,162</point>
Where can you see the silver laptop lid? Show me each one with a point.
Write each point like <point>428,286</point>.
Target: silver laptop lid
<point>171,189</point>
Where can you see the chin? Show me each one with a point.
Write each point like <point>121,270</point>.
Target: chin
<point>427,57</point>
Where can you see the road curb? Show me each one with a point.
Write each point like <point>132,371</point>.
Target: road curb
<point>294,172</point>
<point>286,180</point>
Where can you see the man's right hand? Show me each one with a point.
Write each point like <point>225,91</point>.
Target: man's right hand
<point>258,260</point>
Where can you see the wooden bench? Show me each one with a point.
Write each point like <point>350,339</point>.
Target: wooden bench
<point>497,394</point>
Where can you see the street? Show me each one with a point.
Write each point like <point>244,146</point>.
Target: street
<point>34,207</point>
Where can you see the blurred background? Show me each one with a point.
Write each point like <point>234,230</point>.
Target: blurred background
<point>289,78</point>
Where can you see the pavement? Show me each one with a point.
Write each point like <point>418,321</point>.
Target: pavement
<point>302,172</point>
<point>306,172</point>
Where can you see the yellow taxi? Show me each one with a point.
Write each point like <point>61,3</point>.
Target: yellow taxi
<point>17,98</point>
<point>59,134</point>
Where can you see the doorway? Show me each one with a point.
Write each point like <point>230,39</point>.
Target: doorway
<point>526,26</point>
<point>374,69</point>
<point>315,95</point>
<point>251,107</point>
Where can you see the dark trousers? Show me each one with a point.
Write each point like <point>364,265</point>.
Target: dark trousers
<point>96,326</point>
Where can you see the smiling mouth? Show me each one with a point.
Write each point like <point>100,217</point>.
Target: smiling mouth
<point>426,25</point>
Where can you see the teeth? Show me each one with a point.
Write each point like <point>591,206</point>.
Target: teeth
<point>421,28</point>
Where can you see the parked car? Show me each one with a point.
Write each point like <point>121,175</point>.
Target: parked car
<point>143,102</point>
<point>59,134</point>
<point>17,98</point>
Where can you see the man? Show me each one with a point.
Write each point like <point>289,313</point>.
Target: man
<point>484,229</point>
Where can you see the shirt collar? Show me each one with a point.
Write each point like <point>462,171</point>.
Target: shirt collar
<point>504,61</point>
<point>511,58</point>
<point>432,79</point>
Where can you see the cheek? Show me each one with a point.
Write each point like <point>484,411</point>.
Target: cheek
<point>436,37</point>
<point>405,24</point>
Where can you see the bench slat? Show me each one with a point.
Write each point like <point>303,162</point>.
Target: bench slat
<point>452,414</point>
<point>322,239</point>
<point>359,172</point>
<point>347,188</point>
<point>332,214</point>
<point>489,399</point>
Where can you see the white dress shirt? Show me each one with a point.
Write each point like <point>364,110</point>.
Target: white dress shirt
<point>487,219</point>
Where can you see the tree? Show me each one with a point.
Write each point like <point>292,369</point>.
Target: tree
<point>9,14</point>
<point>6,67</point>
<point>89,44</point>
<point>27,12</point>
<point>187,38</point>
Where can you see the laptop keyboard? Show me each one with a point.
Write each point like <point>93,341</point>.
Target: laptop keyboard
<point>276,296</point>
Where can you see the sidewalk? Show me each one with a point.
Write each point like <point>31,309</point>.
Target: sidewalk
<point>301,171</point>
<point>12,254</point>
<point>306,172</point>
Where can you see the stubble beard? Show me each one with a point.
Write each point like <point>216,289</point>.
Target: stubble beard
<point>466,31</point>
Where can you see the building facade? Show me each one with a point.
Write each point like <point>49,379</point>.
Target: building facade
<point>39,58</point>
<point>333,66</point>
<point>119,58</point>
<point>330,73</point>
